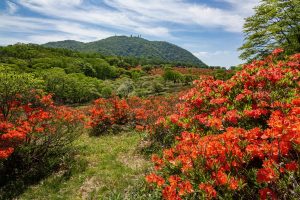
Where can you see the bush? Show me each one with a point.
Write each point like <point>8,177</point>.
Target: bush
<point>235,139</point>
<point>147,68</point>
<point>34,133</point>
<point>170,75</point>
<point>157,87</point>
<point>71,88</point>
<point>125,88</point>
<point>15,88</point>
<point>106,113</point>
<point>133,111</point>
<point>106,92</point>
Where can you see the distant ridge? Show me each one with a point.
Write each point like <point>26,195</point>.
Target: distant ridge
<point>133,47</point>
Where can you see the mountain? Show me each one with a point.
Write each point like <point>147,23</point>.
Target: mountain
<point>66,44</point>
<point>133,47</point>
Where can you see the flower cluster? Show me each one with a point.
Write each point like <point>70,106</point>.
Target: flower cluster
<point>30,121</point>
<point>138,112</point>
<point>242,135</point>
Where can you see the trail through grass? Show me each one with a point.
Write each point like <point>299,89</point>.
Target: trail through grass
<point>104,165</point>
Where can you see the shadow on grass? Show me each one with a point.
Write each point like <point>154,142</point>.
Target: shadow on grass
<point>17,177</point>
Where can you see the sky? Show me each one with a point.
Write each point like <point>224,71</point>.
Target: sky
<point>210,29</point>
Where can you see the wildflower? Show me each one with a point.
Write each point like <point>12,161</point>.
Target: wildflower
<point>292,166</point>
<point>277,51</point>
<point>221,177</point>
<point>208,189</point>
<point>266,175</point>
<point>265,193</point>
<point>233,184</point>
<point>153,178</point>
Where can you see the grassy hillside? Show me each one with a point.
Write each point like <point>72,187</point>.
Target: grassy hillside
<point>134,47</point>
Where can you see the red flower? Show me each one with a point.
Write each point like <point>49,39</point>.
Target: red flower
<point>296,102</point>
<point>292,166</point>
<point>157,161</point>
<point>169,193</point>
<point>5,153</point>
<point>277,51</point>
<point>221,177</point>
<point>233,184</point>
<point>209,190</point>
<point>267,193</point>
<point>266,175</point>
<point>153,178</point>
<point>185,188</point>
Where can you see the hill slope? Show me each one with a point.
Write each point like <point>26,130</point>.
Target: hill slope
<point>133,47</point>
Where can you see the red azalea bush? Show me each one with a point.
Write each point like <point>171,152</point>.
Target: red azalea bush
<point>35,135</point>
<point>107,112</point>
<point>36,122</point>
<point>134,111</point>
<point>235,139</point>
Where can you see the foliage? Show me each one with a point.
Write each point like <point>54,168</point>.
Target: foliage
<point>12,85</point>
<point>223,74</point>
<point>70,88</point>
<point>147,68</point>
<point>74,77</point>
<point>274,24</point>
<point>171,75</point>
<point>125,88</point>
<point>235,139</point>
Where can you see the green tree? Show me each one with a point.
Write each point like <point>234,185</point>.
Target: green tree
<point>170,75</point>
<point>15,87</point>
<point>147,68</point>
<point>125,88</point>
<point>276,23</point>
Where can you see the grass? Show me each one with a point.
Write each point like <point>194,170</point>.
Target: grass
<point>104,165</point>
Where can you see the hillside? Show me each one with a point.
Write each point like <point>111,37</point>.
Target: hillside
<point>80,77</point>
<point>134,47</point>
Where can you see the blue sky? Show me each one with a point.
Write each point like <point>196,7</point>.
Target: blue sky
<point>210,29</point>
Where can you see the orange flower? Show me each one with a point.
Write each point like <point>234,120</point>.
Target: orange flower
<point>208,189</point>
<point>221,177</point>
<point>169,193</point>
<point>174,180</point>
<point>185,187</point>
<point>157,161</point>
<point>266,175</point>
<point>5,153</point>
<point>153,178</point>
<point>233,184</point>
<point>277,51</point>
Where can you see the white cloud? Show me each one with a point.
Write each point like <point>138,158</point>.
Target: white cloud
<point>145,17</point>
<point>243,7</point>
<point>11,7</point>
<point>214,58</point>
<point>7,40</point>
<point>43,30</point>
<point>178,11</point>
<point>154,31</point>
<point>201,54</point>
<point>90,14</point>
